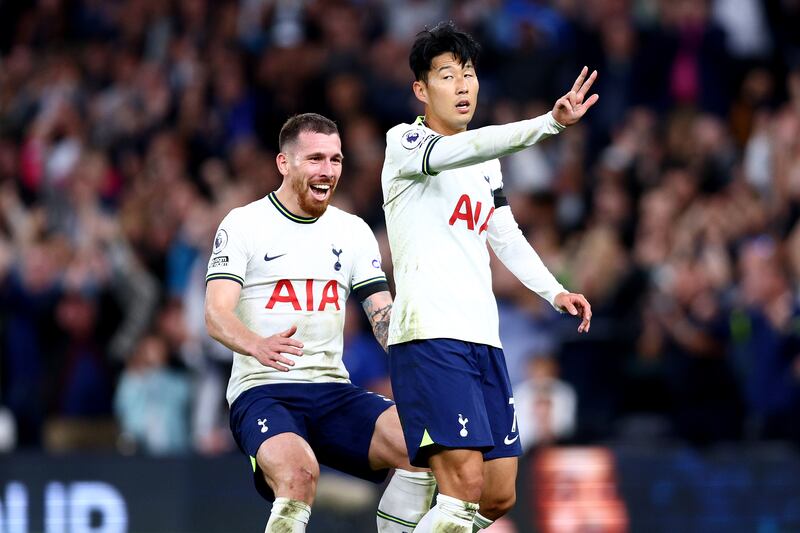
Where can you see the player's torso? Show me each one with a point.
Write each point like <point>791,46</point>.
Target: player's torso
<point>298,275</point>
<point>438,231</point>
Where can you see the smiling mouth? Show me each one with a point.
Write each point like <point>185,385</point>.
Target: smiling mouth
<point>320,191</point>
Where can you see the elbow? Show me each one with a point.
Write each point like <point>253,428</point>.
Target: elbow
<point>211,322</point>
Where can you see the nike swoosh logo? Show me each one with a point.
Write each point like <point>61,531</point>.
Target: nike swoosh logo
<point>508,441</point>
<point>268,258</point>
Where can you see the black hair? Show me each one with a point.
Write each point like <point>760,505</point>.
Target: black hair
<point>442,38</point>
<point>305,122</point>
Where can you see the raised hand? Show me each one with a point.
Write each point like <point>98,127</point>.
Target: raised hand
<point>270,350</point>
<point>571,107</point>
<point>576,305</point>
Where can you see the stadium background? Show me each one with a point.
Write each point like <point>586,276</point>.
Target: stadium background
<point>129,128</point>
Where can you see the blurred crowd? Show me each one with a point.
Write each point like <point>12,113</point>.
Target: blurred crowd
<point>129,128</point>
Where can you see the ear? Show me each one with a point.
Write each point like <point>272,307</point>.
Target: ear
<point>420,89</point>
<point>282,161</point>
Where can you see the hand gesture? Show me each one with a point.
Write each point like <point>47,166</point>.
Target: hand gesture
<point>570,108</point>
<point>576,305</point>
<point>270,350</point>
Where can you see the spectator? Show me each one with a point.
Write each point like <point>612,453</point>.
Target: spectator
<point>152,402</point>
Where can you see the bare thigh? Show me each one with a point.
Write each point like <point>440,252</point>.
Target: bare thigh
<point>388,447</point>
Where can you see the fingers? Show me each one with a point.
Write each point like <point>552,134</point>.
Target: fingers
<point>590,102</point>
<point>581,92</point>
<point>275,356</point>
<point>565,103</point>
<point>289,332</point>
<point>286,341</point>
<point>279,362</point>
<point>579,80</point>
<point>586,313</point>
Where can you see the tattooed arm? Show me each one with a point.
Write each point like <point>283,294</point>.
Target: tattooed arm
<point>378,308</point>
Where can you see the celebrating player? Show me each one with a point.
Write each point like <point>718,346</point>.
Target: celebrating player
<point>280,272</point>
<point>443,199</point>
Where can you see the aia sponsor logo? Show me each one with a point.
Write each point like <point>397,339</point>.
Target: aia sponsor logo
<point>470,213</point>
<point>286,292</point>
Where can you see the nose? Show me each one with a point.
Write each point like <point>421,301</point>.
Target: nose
<point>461,86</point>
<point>326,169</point>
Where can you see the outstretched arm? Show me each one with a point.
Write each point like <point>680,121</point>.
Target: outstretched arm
<point>223,325</point>
<point>412,155</point>
<point>378,308</point>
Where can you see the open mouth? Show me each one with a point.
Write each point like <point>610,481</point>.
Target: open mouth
<point>320,191</point>
<point>463,106</point>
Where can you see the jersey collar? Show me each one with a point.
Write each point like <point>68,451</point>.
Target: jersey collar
<point>288,214</point>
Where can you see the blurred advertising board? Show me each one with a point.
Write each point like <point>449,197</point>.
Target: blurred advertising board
<point>560,490</point>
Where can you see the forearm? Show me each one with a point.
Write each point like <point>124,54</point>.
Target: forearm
<point>490,142</point>
<point>224,326</point>
<point>378,309</point>
<point>514,251</point>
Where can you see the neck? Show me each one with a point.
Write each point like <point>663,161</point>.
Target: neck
<point>439,126</point>
<point>288,198</point>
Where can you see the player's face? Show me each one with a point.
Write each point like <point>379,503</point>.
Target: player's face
<point>450,94</point>
<point>313,165</point>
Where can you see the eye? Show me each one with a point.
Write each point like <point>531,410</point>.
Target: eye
<point>448,77</point>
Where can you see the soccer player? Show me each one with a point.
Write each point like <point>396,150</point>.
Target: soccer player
<point>443,199</point>
<point>279,274</point>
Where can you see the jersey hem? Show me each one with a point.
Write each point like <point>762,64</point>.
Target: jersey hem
<point>419,336</point>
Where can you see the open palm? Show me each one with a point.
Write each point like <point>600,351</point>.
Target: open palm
<point>571,107</point>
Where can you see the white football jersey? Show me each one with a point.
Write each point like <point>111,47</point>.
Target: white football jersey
<point>294,271</point>
<point>438,224</point>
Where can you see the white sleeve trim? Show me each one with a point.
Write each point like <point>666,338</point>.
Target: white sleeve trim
<point>511,247</point>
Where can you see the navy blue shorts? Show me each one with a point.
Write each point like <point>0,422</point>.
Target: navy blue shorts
<point>453,394</point>
<point>336,419</point>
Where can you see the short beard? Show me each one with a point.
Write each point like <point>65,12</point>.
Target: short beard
<point>311,206</point>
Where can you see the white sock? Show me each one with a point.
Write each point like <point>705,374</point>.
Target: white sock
<point>480,522</point>
<point>405,501</point>
<point>288,516</point>
<point>449,514</point>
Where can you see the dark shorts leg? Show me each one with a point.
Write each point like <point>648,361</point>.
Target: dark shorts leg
<point>263,412</point>
<point>342,426</point>
<point>437,385</point>
<point>499,398</point>
<point>336,419</point>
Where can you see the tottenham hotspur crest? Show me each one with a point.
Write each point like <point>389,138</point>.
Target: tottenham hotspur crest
<point>463,421</point>
<point>337,266</point>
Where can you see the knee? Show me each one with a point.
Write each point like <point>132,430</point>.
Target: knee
<point>463,482</point>
<point>493,506</point>
<point>297,481</point>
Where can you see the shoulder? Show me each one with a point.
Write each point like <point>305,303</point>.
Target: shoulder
<point>408,136</point>
<point>353,226</point>
<point>343,219</point>
<point>245,213</point>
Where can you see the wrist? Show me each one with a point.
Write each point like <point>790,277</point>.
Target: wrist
<point>555,123</point>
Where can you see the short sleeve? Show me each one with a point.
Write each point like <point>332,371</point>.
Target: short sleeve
<point>408,149</point>
<point>229,254</point>
<point>367,276</point>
